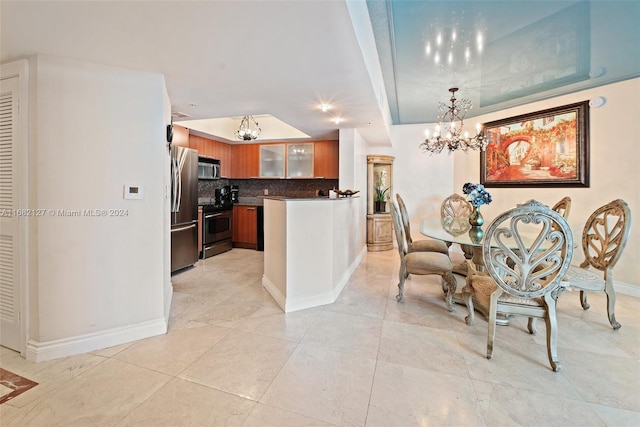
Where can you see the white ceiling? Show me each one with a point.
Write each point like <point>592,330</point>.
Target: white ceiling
<point>229,58</point>
<point>226,59</point>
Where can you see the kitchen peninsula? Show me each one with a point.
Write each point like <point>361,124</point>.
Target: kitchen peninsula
<point>308,250</point>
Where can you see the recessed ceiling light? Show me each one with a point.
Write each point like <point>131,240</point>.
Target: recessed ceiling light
<point>193,105</point>
<point>337,120</point>
<point>324,107</point>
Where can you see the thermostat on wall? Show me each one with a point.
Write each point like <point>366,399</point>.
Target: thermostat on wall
<point>133,192</point>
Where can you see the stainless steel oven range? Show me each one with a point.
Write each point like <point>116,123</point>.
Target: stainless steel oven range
<point>217,229</point>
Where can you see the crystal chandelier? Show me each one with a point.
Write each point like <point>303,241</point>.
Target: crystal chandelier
<point>448,133</point>
<point>249,129</point>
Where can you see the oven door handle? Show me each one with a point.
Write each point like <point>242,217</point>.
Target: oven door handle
<point>214,214</point>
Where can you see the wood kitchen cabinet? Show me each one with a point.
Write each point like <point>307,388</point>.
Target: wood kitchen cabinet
<point>214,149</point>
<point>245,161</point>
<point>326,155</point>
<point>245,226</point>
<point>180,136</point>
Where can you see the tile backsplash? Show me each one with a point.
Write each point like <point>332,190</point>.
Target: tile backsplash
<point>275,187</point>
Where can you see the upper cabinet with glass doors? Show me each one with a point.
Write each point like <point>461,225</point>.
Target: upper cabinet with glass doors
<point>300,160</point>
<point>272,161</point>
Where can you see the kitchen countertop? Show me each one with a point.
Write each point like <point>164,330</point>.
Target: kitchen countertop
<point>316,198</point>
<point>259,200</point>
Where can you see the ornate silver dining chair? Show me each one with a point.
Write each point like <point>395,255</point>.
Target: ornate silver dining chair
<point>457,206</point>
<point>604,237</point>
<point>421,263</point>
<point>423,245</point>
<point>527,251</point>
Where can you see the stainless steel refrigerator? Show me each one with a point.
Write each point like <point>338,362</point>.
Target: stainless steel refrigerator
<point>184,207</point>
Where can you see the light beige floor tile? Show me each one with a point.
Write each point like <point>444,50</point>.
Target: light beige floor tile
<point>323,384</point>
<point>576,334</point>
<point>424,351</point>
<point>605,380</point>
<point>242,363</point>
<point>173,352</point>
<point>286,326</point>
<point>11,416</point>
<point>358,335</point>
<point>505,405</point>
<point>101,397</point>
<point>111,351</point>
<point>268,416</point>
<point>617,417</point>
<point>518,364</point>
<point>421,347</point>
<point>49,375</point>
<point>424,310</point>
<point>183,403</point>
<point>360,302</point>
<point>404,396</point>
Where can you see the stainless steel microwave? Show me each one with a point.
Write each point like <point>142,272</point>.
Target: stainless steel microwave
<point>208,168</point>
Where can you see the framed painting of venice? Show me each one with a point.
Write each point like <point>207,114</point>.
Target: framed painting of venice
<point>548,148</point>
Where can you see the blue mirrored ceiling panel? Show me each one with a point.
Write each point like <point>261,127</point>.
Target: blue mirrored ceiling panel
<point>547,54</point>
<point>500,53</point>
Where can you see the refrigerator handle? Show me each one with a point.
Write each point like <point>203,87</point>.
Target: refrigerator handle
<point>174,184</point>
<point>184,228</point>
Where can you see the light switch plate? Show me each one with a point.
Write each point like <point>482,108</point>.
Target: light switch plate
<point>133,192</point>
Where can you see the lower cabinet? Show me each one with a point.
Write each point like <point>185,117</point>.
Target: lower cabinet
<point>245,226</point>
<point>379,232</point>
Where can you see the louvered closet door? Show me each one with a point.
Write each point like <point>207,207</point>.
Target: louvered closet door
<point>9,227</point>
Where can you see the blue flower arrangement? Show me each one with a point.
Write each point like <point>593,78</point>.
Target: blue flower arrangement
<point>476,194</point>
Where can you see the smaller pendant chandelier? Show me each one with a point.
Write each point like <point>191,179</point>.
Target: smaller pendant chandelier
<point>448,133</point>
<point>249,129</point>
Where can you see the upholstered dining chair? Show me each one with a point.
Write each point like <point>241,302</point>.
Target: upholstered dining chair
<point>604,237</point>
<point>421,263</point>
<point>423,245</point>
<point>527,251</point>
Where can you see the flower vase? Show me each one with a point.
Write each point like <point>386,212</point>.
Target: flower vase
<point>475,234</point>
<point>475,219</point>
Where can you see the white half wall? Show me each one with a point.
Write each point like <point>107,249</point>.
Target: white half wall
<point>98,263</point>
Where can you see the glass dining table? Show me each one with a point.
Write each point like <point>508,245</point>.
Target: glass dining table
<point>458,230</point>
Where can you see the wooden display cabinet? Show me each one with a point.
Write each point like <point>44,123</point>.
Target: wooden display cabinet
<point>379,221</point>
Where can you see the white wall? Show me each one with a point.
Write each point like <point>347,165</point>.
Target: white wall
<point>353,176</point>
<point>96,281</point>
<point>422,180</point>
<point>615,167</point>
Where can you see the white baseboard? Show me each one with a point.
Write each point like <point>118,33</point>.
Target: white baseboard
<point>274,292</point>
<point>627,289</point>
<point>168,298</point>
<point>288,304</point>
<point>43,351</point>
